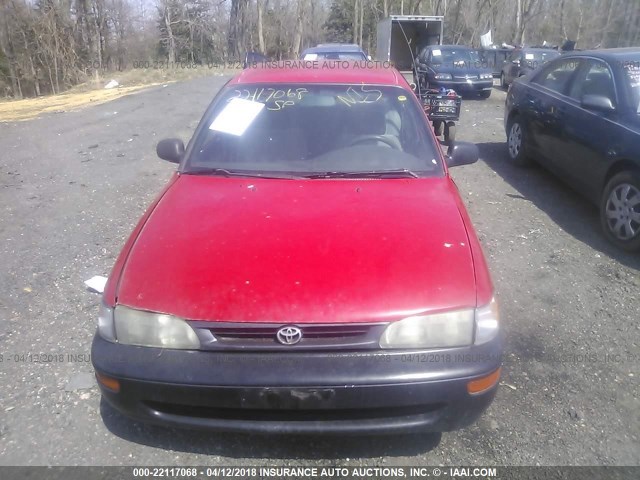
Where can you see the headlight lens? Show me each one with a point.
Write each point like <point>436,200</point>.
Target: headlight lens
<point>486,75</point>
<point>450,329</point>
<point>443,76</point>
<point>444,330</point>
<point>148,329</point>
<point>487,322</point>
<point>105,323</point>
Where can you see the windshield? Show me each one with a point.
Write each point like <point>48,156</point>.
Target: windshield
<point>335,56</point>
<point>536,57</point>
<point>456,56</point>
<point>305,130</point>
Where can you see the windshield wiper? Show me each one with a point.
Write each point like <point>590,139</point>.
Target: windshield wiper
<point>223,172</point>
<point>400,173</point>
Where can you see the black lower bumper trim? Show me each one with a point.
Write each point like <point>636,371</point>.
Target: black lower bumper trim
<point>428,418</point>
<point>313,395</point>
<point>292,415</point>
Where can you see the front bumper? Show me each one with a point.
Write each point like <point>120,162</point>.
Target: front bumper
<point>476,86</point>
<point>299,392</point>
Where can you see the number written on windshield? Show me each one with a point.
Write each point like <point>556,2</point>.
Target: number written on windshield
<point>275,99</point>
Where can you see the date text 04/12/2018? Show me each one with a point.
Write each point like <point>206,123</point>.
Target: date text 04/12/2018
<point>164,65</point>
<point>41,357</point>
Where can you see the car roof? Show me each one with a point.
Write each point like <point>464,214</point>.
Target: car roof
<point>297,71</point>
<point>536,49</point>
<point>330,44</point>
<point>334,47</point>
<point>606,53</point>
<point>450,47</point>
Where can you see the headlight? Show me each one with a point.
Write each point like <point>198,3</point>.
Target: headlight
<point>105,323</point>
<point>444,330</point>
<point>148,329</point>
<point>487,322</point>
<point>486,76</point>
<point>443,76</point>
<point>450,329</point>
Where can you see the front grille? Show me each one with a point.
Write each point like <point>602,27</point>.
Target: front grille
<point>259,336</point>
<point>319,331</point>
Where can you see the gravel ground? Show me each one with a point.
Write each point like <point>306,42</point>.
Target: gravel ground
<point>72,186</point>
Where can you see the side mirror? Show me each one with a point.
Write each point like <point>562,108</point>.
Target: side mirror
<point>462,153</point>
<point>597,102</point>
<point>170,149</point>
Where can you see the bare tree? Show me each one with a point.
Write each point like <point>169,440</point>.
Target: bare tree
<point>260,8</point>
<point>297,35</point>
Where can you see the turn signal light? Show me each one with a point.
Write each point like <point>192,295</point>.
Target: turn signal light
<point>108,382</point>
<point>483,384</point>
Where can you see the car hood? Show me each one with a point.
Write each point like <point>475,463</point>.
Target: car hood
<point>321,251</point>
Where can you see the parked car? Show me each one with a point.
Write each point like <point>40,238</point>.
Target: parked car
<point>494,58</point>
<point>334,51</point>
<point>523,61</point>
<point>579,117</point>
<point>453,67</point>
<point>309,268</point>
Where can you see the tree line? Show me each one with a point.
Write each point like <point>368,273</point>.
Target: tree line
<point>47,46</point>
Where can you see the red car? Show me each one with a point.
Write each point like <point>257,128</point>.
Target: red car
<point>310,268</point>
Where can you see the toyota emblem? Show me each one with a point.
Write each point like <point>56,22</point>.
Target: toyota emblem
<point>289,335</point>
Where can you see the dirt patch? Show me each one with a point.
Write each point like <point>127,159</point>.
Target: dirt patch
<point>32,107</point>
<point>94,93</point>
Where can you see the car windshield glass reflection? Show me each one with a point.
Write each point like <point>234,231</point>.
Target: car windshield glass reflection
<point>306,130</point>
<point>632,70</point>
<point>456,57</point>
<point>540,57</point>
<point>338,56</point>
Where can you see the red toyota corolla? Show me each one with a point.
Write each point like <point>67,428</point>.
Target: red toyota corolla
<point>310,268</point>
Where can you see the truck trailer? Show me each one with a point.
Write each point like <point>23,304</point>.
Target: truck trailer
<point>401,37</point>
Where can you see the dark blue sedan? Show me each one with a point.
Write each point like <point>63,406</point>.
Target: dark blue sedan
<point>579,116</point>
<point>453,67</point>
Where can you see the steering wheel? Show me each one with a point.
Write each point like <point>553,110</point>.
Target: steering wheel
<point>389,140</point>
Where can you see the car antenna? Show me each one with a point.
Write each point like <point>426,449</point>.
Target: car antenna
<point>413,59</point>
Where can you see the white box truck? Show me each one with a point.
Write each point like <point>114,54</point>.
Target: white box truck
<point>401,37</point>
